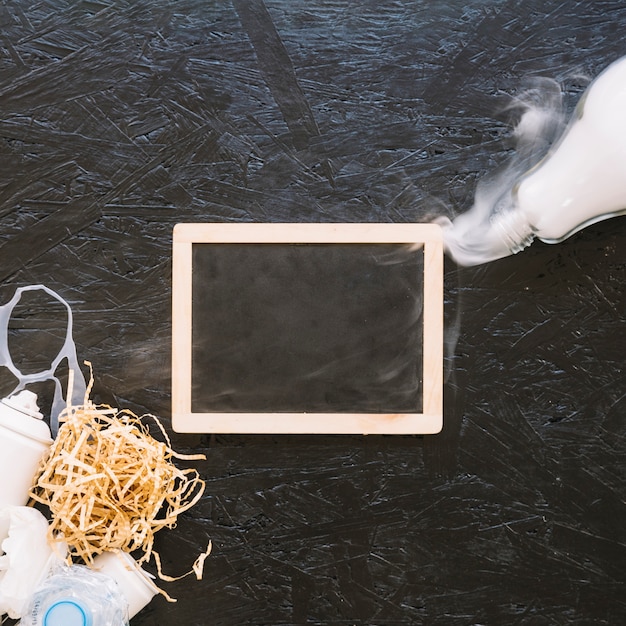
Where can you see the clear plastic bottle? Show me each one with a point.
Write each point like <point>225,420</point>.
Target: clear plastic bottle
<point>76,596</point>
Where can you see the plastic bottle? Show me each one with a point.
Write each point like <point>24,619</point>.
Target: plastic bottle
<point>76,596</point>
<point>136,584</point>
<point>24,439</point>
<point>581,180</point>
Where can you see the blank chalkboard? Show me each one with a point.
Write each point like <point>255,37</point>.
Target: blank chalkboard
<point>307,328</point>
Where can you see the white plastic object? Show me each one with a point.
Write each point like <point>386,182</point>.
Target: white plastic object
<point>76,596</point>
<point>24,439</point>
<point>28,556</point>
<point>68,352</point>
<point>135,583</point>
<point>581,180</point>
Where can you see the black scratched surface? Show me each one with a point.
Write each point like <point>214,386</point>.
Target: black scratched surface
<point>120,119</point>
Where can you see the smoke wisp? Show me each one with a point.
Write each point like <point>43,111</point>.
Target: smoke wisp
<point>471,239</point>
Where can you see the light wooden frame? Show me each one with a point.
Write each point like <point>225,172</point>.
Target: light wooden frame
<point>428,421</point>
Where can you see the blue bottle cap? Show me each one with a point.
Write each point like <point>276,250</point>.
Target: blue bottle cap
<point>67,612</point>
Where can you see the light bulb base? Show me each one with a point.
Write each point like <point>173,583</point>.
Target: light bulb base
<point>513,229</point>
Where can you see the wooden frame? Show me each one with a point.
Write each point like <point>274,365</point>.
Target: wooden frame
<point>427,421</point>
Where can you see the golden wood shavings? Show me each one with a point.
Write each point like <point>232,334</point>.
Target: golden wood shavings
<point>111,486</point>
<point>197,569</point>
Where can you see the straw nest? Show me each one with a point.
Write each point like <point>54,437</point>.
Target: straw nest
<point>110,485</point>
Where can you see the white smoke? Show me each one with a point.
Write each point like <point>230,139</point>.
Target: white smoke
<point>540,120</point>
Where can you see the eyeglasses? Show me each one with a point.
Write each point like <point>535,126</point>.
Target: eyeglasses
<point>68,351</point>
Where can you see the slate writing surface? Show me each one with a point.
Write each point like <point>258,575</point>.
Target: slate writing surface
<point>316,328</point>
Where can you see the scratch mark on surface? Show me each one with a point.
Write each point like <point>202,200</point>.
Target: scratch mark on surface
<point>278,70</point>
<point>31,243</point>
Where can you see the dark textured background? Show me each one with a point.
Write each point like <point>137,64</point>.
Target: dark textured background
<point>119,119</point>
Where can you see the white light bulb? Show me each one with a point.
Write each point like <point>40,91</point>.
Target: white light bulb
<point>582,180</point>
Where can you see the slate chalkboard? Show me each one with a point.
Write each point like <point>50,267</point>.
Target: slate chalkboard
<point>293,320</point>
